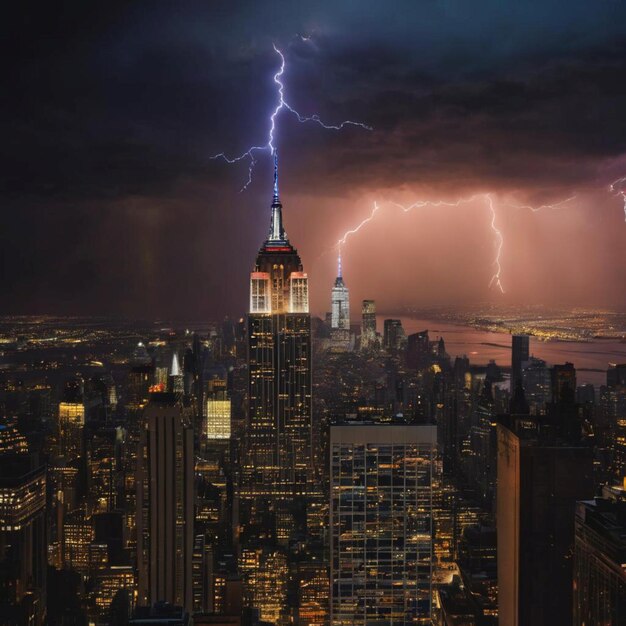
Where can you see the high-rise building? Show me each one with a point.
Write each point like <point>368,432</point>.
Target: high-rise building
<point>368,324</point>
<point>71,425</point>
<point>418,354</point>
<point>165,502</point>
<point>613,411</point>
<point>277,462</point>
<point>265,582</point>
<point>394,336</point>
<point>23,541</point>
<point>540,478</point>
<point>600,562</point>
<point>109,582</point>
<point>340,302</point>
<point>218,410</point>
<point>381,523</point>
<point>537,385</point>
<point>520,351</point>
<point>563,381</point>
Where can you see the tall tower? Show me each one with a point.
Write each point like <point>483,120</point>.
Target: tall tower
<point>520,348</point>
<point>540,478</point>
<point>165,502</point>
<point>340,302</point>
<point>278,459</point>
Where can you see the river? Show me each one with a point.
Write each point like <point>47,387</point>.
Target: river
<point>591,358</point>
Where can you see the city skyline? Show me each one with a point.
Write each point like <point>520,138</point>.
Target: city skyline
<point>529,120</point>
<point>409,410</point>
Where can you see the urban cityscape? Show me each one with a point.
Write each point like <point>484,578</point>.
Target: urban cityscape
<point>271,446</point>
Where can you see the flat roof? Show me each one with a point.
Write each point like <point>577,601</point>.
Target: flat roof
<point>384,433</point>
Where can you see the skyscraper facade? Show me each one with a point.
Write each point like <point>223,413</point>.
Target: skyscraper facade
<point>218,410</point>
<point>540,478</point>
<point>600,562</point>
<point>520,348</point>
<point>277,462</point>
<point>368,324</point>
<point>381,523</point>
<point>165,502</point>
<point>23,539</point>
<point>394,336</point>
<point>340,302</point>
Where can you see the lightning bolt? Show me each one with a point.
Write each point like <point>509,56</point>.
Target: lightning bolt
<point>282,104</point>
<point>536,209</point>
<point>613,188</point>
<point>356,229</point>
<point>499,240</point>
<point>496,278</point>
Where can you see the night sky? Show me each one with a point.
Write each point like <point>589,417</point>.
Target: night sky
<point>111,203</point>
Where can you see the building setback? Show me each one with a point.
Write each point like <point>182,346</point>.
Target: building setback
<point>277,460</point>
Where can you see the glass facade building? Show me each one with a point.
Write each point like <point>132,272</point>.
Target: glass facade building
<point>600,562</point>
<point>381,523</point>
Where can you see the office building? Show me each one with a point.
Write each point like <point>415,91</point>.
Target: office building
<point>218,410</point>
<point>23,540</point>
<point>600,562</point>
<point>520,352</point>
<point>563,382</point>
<point>540,478</point>
<point>71,425</point>
<point>393,337</point>
<point>537,384</point>
<point>165,503</point>
<point>368,325</point>
<point>381,523</point>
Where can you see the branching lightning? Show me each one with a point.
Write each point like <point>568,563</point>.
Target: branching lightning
<point>249,154</point>
<point>499,239</point>
<point>616,188</point>
<point>535,209</point>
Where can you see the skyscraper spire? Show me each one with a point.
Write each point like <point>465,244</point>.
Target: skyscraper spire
<point>175,367</point>
<point>339,265</point>
<point>276,198</point>
<point>277,232</point>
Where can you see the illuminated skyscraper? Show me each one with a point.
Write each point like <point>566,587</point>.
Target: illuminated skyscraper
<point>165,502</point>
<point>278,457</point>
<point>381,523</point>
<point>218,410</point>
<point>71,424</point>
<point>176,377</point>
<point>340,302</point>
<point>368,324</point>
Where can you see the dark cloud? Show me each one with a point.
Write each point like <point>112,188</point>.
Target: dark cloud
<point>111,111</point>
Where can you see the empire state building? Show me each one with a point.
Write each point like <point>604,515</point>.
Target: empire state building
<point>277,462</point>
